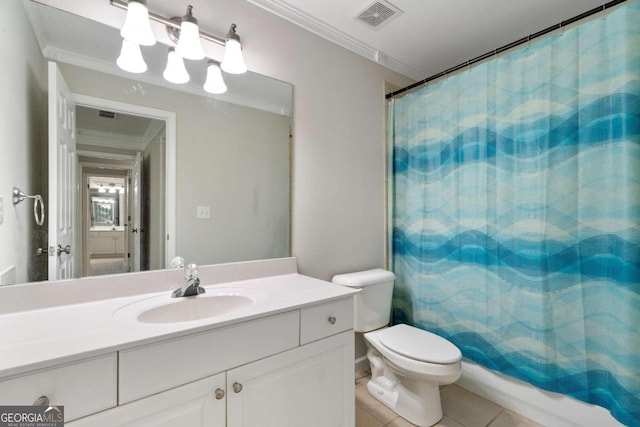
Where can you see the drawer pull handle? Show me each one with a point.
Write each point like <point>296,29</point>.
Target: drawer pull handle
<point>332,320</point>
<point>41,401</point>
<point>219,393</point>
<point>237,387</point>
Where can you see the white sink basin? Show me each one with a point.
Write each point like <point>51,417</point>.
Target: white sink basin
<point>214,302</point>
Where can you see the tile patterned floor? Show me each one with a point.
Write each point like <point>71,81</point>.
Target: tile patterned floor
<point>461,409</point>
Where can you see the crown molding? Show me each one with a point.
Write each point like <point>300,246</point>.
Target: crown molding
<point>332,34</point>
<point>108,139</point>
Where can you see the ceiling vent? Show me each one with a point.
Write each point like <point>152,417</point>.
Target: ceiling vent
<point>107,114</point>
<point>378,14</point>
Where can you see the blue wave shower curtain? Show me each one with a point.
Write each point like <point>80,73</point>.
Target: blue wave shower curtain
<point>515,198</point>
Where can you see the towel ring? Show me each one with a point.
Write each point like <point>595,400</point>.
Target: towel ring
<point>19,195</point>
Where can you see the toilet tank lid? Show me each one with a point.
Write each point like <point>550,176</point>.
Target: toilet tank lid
<point>419,344</point>
<point>364,278</point>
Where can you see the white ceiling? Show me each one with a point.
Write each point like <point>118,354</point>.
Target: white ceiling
<point>430,36</point>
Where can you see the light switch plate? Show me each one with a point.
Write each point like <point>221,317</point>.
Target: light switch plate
<point>203,212</point>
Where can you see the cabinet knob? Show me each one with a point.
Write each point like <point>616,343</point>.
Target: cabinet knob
<point>219,393</point>
<point>41,401</point>
<point>332,320</point>
<point>237,387</point>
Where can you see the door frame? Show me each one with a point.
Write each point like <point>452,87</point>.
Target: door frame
<point>169,117</point>
<point>86,172</point>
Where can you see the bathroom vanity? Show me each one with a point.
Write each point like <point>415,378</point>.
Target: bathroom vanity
<point>264,346</point>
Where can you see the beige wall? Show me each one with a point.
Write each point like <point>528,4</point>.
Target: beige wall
<point>22,127</point>
<point>231,158</point>
<point>338,176</point>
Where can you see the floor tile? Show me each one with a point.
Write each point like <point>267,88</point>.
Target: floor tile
<point>448,422</point>
<point>510,419</point>
<point>400,422</point>
<point>374,407</point>
<point>364,419</point>
<point>466,408</point>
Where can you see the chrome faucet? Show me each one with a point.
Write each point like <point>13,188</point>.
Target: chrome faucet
<point>191,285</point>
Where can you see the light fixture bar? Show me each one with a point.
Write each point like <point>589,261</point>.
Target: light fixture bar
<point>169,23</point>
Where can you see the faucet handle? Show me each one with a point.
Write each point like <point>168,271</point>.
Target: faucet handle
<point>177,262</point>
<point>191,271</point>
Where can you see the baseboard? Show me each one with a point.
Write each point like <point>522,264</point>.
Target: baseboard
<point>361,364</point>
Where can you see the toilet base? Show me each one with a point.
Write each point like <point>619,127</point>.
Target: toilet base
<point>416,401</point>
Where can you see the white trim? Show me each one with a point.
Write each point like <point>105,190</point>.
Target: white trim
<point>332,34</point>
<point>102,155</point>
<point>100,138</point>
<point>100,165</point>
<point>170,158</point>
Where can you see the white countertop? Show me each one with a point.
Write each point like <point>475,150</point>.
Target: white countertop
<point>40,338</point>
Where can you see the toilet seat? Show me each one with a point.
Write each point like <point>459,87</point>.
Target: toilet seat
<point>418,344</point>
<point>440,373</point>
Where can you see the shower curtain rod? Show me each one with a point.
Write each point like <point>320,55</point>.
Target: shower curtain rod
<point>507,47</point>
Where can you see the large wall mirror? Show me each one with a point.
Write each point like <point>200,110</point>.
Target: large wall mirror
<point>162,170</point>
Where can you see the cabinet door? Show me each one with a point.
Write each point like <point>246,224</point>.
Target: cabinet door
<point>196,404</point>
<point>101,244</point>
<point>119,241</point>
<point>311,386</point>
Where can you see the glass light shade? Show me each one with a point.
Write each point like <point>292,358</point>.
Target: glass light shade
<point>189,46</point>
<point>233,61</point>
<point>112,190</point>
<point>215,83</point>
<point>137,28</point>
<point>102,190</point>
<point>175,72</point>
<point>130,58</point>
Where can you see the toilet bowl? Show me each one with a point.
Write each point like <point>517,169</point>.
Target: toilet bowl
<point>408,365</point>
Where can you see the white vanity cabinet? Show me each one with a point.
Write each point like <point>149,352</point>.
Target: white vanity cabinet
<point>107,243</point>
<point>289,369</point>
<point>82,387</point>
<point>310,386</point>
<point>198,404</point>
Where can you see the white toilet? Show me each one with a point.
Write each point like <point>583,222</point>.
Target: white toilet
<point>407,364</point>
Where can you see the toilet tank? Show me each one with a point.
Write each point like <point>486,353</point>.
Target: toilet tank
<point>372,305</point>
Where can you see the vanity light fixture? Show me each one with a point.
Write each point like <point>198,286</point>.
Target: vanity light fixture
<point>130,58</point>
<point>189,46</point>
<point>137,28</point>
<point>186,34</point>
<point>175,72</point>
<point>215,83</point>
<point>233,61</point>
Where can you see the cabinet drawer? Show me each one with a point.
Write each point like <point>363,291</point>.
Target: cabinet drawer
<point>144,371</point>
<point>323,320</point>
<point>83,387</point>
